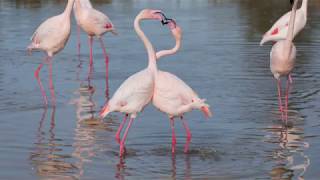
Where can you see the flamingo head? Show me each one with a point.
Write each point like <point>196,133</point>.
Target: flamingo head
<point>291,1</point>
<point>175,29</point>
<point>152,14</point>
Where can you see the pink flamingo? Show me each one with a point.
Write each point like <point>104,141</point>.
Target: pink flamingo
<point>173,96</point>
<point>94,23</point>
<point>136,91</point>
<point>280,29</point>
<point>282,60</point>
<point>51,36</point>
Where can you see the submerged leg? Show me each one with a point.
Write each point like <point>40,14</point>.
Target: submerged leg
<point>91,57</point>
<point>123,140</point>
<point>53,98</point>
<point>106,59</point>
<point>174,141</point>
<point>120,128</point>
<point>78,39</point>
<point>279,98</point>
<point>289,82</point>
<point>188,132</point>
<point>36,74</point>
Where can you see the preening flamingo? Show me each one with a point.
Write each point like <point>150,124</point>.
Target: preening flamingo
<point>280,29</point>
<point>94,23</point>
<point>51,37</point>
<point>136,91</point>
<point>282,60</point>
<point>172,95</point>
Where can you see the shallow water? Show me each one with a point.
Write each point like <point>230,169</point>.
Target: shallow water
<point>220,58</point>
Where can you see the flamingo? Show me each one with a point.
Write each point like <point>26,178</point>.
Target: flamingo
<point>173,96</point>
<point>94,23</point>
<point>279,30</point>
<point>51,36</point>
<point>282,60</point>
<point>137,90</point>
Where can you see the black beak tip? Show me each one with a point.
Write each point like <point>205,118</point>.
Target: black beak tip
<point>291,1</point>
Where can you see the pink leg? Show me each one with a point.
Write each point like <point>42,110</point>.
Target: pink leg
<point>123,140</point>
<point>174,141</point>
<point>79,41</point>
<point>91,57</point>
<point>289,81</point>
<point>36,74</point>
<point>120,128</point>
<point>279,98</point>
<point>188,132</point>
<point>106,58</point>
<point>53,98</point>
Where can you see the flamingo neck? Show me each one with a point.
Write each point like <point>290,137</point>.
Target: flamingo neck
<point>304,6</point>
<point>151,53</point>
<point>68,9</point>
<point>169,51</point>
<point>288,42</point>
<point>291,21</point>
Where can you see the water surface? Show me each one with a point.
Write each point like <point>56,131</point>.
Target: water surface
<point>220,58</point>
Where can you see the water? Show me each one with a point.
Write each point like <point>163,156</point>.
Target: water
<point>220,59</point>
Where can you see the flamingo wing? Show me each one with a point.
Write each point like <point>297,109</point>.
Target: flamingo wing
<point>135,92</point>
<point>46,28</point>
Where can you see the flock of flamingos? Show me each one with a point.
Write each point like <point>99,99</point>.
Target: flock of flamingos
<point>167,92</point>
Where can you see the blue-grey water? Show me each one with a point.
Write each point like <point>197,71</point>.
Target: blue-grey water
<point>220,58</point>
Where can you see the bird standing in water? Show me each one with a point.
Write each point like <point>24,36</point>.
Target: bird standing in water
<point>172,95</point>
<point>51,36</point>
<point>280,28</point>
<point>282,60</point>
<point>94,23</point>
<point>137,90</point>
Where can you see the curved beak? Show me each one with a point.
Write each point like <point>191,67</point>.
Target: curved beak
<point>164,18</point>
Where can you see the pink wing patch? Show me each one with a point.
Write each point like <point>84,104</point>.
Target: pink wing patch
<point>108,26</point>
<point>275,31</point>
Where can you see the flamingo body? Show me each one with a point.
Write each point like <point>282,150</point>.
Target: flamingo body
<point>133,94</point>
<point>280,63</point>
<point>92,21</point>
<point>173,96</point>
<point>52,35</point>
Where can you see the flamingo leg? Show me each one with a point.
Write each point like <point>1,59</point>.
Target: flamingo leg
<point>53,98</point>
<point>123,140</point>
<point>174,141</point>
<point>289,82</point>
<point>91,57</point>
<point>36,74</point>
<point>120,128</point>
<point>279,98</point>
<point>78,39</point>
<point>106,59</point>
<point>188,132</point>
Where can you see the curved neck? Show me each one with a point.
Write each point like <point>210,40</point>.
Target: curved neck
<point>162,53</point>
<point>304,6</point>
<point>151,53</point>
<point>68,9</point>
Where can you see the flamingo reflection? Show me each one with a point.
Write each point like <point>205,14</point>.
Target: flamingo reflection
<point>48,158</point>
<point>290,158</point>
<point>87,143</point>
